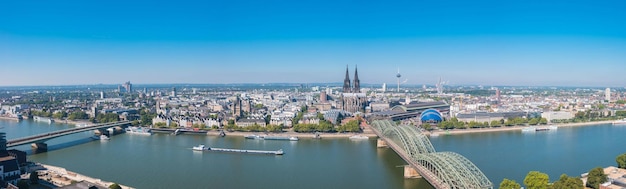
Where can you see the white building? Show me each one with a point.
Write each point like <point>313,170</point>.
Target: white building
<point>557,115</point>
<point>607,95</point>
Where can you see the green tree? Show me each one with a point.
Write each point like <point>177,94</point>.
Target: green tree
<point>596,177</point>
<point>23,184</point>
<point>543,121</point>
<point>567,182</point>
<point>509,184</point>
<point>34,177</point>
<point>160,124</point>
<point>536,180</point>
<point>495,123</point>
<point>77,115</point>
<point>427,126</point>
<point>621,160</point>
<point>533,121</point>
<point>59,115</point>
<point>115,186</point>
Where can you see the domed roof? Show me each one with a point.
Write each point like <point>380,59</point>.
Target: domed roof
<point>431,115</point>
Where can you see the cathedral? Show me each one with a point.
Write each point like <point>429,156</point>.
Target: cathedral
<point>352,100</point>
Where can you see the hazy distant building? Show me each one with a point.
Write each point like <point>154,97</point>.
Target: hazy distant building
<point>323,97</point>
<point>101,94</point>
<point>352,100</point>
<point>607,94</point>
<point>498,95</point>
<point>128,86</point>
<point>384,87</point>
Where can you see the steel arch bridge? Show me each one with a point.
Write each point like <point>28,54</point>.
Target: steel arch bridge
<point>449,169</point>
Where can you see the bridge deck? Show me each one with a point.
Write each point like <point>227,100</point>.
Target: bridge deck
<point>55,134</point>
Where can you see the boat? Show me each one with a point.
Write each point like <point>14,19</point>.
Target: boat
<point>201,147</point>
<point>256,137</point>
<point>534,129</point>
<point>222,134</point>
<point>291,138</point>
<point>359,137</point>
<point>620,122</point>
<point>176,132</point>
<point>43,119</point>
<point>138,130</point>
<point>104,137</point>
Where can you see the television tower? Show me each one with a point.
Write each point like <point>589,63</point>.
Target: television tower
<point>398,76</point>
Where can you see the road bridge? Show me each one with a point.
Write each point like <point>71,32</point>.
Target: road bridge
<point>443,170</point>
<point>37,141</point>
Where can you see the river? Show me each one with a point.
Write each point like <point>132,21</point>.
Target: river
<point>167,161</point>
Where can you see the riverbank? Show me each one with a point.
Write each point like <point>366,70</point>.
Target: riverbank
<point>9,118</point>
<point>287,133</point>
<point>300,135</point>
<point>59,176</point>
<point>513,128</point>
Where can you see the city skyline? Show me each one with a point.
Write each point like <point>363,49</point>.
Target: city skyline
<point>490,43</point>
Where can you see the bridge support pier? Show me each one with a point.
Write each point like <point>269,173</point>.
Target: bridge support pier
<point>39,147</point>
<point>410,172</point>
<point>381,143</point>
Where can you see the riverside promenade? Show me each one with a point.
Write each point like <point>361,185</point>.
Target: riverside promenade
<point>511,128</point>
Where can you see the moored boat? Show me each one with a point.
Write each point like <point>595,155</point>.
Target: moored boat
<point>620,122</point>
<point>256,137</point>
<point>138,130</point>
<point>359,137</point>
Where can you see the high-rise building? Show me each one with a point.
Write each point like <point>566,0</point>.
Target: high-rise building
<point>323,97</point>
<point>498,94</point>
<point>384,87</point>
<point>607,95</point>
<point>101,94</point>
<point>128,86</point>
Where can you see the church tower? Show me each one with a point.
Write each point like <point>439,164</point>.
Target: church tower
<point>346,82</point>
<point>357,83</point>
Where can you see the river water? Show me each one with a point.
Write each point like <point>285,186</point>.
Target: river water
<point>167,161</point>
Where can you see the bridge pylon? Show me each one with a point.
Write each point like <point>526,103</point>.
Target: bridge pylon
<point>380,143</point>
<point>410,172</point>
<point>39,147</point>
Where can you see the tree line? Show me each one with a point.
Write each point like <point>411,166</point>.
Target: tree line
<point>539,180</point>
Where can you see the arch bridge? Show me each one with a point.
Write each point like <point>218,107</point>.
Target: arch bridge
<point>443,170</point>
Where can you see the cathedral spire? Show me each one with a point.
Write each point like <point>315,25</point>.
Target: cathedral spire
<point>346,82</point>
<point>357,83</point>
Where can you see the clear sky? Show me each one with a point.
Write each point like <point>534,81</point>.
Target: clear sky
<point>539,43</point>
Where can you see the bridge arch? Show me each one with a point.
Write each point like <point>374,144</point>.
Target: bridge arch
<point>451,170</point>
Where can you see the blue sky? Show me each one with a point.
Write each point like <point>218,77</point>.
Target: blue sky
<point>539,43</point>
